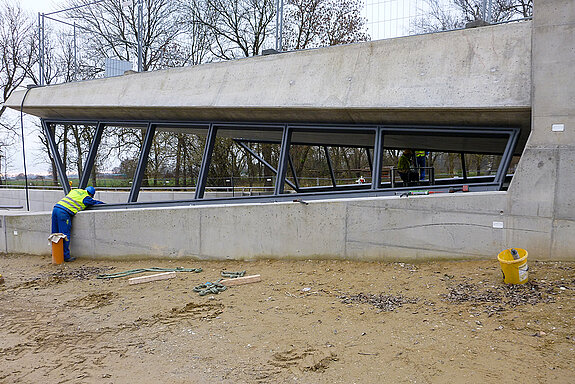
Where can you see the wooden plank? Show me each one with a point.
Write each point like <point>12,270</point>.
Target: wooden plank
<point>157,276</point>
<point>241,280</point>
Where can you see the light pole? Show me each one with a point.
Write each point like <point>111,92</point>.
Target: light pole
<point>279,23</point>
<point>140,17</point>
<point>486,10</point>
<point>41,47</point>
<point>75,55</point>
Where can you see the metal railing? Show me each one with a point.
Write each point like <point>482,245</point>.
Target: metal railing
<point>429,172</point>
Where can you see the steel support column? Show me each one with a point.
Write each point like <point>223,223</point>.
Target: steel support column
<point>91,156</point>
<point>506,158</point>
<point>268,165</point>
<point>282,165</point>
<point>296,183</point>
<point>57,159</point>
<point>377,159</point>
<point>463,166</point>
<point>331,173</point>
<point>142,163</point>
<point>369,158</point>
<point>206,160</point>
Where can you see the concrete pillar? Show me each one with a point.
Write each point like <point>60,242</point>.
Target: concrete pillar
<point>543,190</point>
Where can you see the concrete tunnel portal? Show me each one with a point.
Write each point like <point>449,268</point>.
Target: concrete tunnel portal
<point>462,93</point>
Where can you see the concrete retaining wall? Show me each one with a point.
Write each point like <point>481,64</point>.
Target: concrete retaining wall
<point>384,228</point>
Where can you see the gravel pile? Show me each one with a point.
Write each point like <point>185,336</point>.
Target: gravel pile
<point>506,296</point>
<point>80,273</point>
<point>381,301</point>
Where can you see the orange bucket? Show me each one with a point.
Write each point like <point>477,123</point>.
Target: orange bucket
<point>57,240</point>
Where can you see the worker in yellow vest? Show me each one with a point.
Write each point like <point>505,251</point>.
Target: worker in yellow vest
<point>407,174</point>
<point>420,163</point>
<point>75,201</point>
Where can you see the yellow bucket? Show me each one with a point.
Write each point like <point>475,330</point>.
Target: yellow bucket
<point>514,271</point>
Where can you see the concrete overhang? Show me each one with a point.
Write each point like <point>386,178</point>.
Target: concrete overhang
<point>474,77</point>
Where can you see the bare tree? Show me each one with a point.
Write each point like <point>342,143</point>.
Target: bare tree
<point>444,15</point>
<point>439,16</point>
<point>342,23</point>
<point>316,23</point>
<point>302,24</point>
<point>239,28</point>
<point>196,18</point>
<point>73,140</point>
<point>16,48</point>
<point>115,29</point>
<point>522,8</point>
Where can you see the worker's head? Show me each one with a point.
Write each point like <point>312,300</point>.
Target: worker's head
<point>407,152</point>
<point>91,191</point>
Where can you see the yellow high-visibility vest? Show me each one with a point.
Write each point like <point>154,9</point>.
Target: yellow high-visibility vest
<point>74,200</point>
<point>419,153</point>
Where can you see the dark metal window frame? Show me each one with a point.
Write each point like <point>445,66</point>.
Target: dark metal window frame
<point>335,191</point>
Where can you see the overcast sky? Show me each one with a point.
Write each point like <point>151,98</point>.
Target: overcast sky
<point>38,5</point>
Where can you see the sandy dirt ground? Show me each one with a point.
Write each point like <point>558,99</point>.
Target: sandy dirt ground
<point>305,322</point>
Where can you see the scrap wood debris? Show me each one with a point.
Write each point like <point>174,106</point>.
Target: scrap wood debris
<point>496,297</point>
<point>233,278</point>
<point>154,277</point>
<point>141,270</point>
<point>232,275</point>
<point>532,292</point>
<point>241,280</point>
<point>384,302</point>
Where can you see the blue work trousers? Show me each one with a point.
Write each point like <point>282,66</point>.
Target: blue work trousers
<point>62,223</point>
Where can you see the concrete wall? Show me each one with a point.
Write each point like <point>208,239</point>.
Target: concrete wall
<point>368,228</point>
<point>536,213</point>
<point>384,228</point>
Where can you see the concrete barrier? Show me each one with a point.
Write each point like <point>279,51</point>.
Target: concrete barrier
<point>450,226</point>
